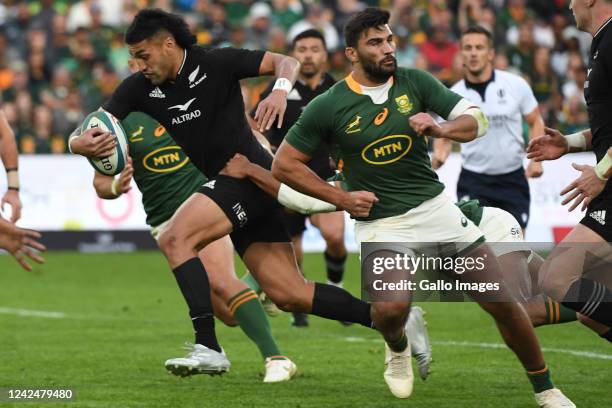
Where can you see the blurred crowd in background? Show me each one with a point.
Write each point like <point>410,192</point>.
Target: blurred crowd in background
<point>61,59</point>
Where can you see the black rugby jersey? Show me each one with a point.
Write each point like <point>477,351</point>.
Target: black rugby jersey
<point>202,108</point>
<point>297,99</point>
<point>598,92</point>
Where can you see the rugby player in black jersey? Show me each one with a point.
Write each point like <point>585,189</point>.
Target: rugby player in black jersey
<point>194,92</point>
<point>587,246</point>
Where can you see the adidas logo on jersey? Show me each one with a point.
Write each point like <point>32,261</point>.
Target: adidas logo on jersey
<point>210,184</point>
<point>157,93</point>
<point>599,216</point>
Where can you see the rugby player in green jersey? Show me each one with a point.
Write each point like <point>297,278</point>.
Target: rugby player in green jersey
<point>166,178</point>
<point>376,122</point>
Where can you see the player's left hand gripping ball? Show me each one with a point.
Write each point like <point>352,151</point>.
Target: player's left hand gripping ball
<point>114,163</point>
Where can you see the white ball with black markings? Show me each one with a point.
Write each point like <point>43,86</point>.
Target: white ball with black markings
<point>113,164</point>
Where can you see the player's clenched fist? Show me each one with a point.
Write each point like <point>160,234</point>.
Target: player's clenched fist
<point>425,125</point>
<point>237,167</point>
<point>359,203</point>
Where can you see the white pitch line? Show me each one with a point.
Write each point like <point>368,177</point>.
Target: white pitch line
<point>32,313</point>
<point>587,354</point>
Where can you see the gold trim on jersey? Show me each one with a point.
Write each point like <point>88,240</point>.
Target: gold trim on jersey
<point>168,158</point>
<point>353,85</point>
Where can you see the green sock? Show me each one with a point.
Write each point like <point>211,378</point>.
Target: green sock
<point>400,344</point>
<point>540,379</point>
<point>557,313</point>
<point>251,282</point>
<point>247,310</point>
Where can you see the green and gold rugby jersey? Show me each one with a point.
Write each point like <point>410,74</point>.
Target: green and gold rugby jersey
<point>380,151</point>
<point>163,173</point>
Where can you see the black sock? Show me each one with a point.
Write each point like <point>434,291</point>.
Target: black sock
<point>193,281</point>
<point>335,267</point>
<point>591,299</point>
<point>607,335</point>
<point>335,303</point>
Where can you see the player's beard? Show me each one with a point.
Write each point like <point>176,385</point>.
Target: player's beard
<point>378,72</point>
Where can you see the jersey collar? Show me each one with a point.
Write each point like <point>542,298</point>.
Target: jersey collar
<point>602,27</point>
<point>357,87</point>
<point>183,63</point>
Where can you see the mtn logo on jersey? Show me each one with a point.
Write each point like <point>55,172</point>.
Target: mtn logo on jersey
<point>404,106</point>
<point>187,116</point>
<point>193,80</point>
<point>599,216</point>
<point>387,150</point>
<point>157,93</point>
<point>165,160</point>
<point>353,126</point>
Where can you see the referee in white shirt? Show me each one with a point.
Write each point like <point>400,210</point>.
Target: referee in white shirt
<point>492,169</point>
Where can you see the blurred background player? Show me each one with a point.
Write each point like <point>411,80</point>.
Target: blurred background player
<point>308,47</point>
<point>492,166</point>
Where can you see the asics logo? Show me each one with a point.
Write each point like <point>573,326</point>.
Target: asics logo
<point>183,107</point>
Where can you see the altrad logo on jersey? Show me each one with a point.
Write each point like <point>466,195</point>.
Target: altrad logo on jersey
<point>387,150</point>
<point>187,116</point>
<point>165,160</point>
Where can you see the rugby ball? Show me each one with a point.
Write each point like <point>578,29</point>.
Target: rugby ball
<point>113,164</point>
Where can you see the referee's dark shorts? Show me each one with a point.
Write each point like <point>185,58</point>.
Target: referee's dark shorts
<point>509,191</point>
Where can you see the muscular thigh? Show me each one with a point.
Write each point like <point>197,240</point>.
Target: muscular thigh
<point>199,220</point>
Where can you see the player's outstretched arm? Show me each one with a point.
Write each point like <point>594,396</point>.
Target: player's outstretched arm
<point>286,69</point>
<point>289,166</point>
<point>109,188</point>
<point>240,167</point>
<point>9,155</point>
<point>20,243</point>
<point>553,144</point>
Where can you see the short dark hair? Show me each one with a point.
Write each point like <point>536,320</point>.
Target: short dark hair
<point>311,33</point>
<point>359,23</point>
<point>476,29</point>
<point>149,22</point>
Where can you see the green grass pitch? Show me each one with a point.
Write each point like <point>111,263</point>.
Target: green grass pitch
<point>123,316</point>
